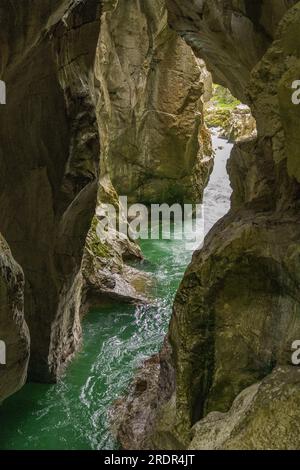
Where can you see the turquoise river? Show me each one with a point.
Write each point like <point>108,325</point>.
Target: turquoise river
<point>73,413</point>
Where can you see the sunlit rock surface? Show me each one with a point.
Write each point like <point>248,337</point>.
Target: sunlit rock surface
<point>155,145</point>
<point>76,82</point>
<point>236,313</point>
<point>233,119</point>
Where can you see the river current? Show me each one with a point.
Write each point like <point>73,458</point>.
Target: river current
<point>72,414</point>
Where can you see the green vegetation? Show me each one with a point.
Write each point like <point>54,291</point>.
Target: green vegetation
<point>222,98</point>
<point>220,108</point>
<point>94,244</point>
<point>219,118</point>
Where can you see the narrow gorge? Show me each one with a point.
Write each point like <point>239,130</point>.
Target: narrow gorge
<point>158,344</point>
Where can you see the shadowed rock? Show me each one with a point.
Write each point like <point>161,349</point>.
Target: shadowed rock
<point>14,335</point>
<point>49,156</point>
<point>236,313</point>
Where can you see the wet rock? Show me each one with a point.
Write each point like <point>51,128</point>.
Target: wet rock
<point>236,313</point>
<point>106,275</point>
<point>155,146</point>
<point>13,329</point>
<point>132,414</point>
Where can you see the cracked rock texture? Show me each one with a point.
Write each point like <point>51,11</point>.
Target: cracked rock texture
<point>265,416</point>
<point>106,275</point>
<point>49,152</point>
<point>76,79</point>
<point>231,36</point>
<point>237,310</point>
<point>155,145</point>
<point>13,329</point>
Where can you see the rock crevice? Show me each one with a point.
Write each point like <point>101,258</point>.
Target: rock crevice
<point>49,155</point>
<point>236,313</point>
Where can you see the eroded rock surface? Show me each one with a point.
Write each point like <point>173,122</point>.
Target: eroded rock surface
<point>265,416</point>
<point>132,414</point>
<point>154,142</point>
<point>106,274</point>
<point>155,145</point>
<point>49,152</point>
<point>236,313</point>
<point>74,80</point>
<point>13,329</point>
<point>233,119</point>
<point>231,36</point>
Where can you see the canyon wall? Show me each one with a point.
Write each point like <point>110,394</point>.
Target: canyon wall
<point>14,332</point>
<point>155,146</point>
<point>126,80</point>
<point>79,74</point>
<point>230,36</point>
<point>237,310</point>
<point>49,158</point>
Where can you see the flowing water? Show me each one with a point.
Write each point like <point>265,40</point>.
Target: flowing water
<point>73,413</point>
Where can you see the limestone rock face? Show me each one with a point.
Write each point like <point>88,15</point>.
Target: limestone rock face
<point>231,36</point>
<point>132,414</point>
<point>155,146</point>
<point>49,151</point>
<point>265,416</point>
<point>73,80</point>
<point>241,125</point>
<point>106,275</point>
<point>234,320</point>
<point>13,329</point>
<point>154,142</point>
<point>237,311</point>
<point>235,124</point>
